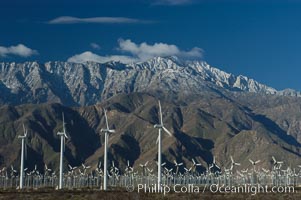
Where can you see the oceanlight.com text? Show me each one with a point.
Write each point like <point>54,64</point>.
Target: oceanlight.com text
<point>213,188</point>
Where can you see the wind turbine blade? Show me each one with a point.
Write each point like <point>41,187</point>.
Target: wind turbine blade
<point>160,113</point>
<point>180,164</point>
<point>63,144</point>
<point>25,150</point>
<point>64,123</point>
<point>106,118</point>
<point>24,130</point>
<point>157,140</point>
<point>274,160</point>
<point>167,131</point>
<point>231,159</point>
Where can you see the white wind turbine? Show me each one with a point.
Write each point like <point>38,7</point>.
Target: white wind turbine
<point>177,165</point>
<point>254,163</point>
<point>23,150</point>
<point>277,163</point>
<point>143,166</point>
<point>214,164</point>
<point>107,130</point>
<point>159,141</point>
<point>85,167</point>
<point>233,163</point>
<point>63,137</point>
<point>128,168</point>
<point>194,165</point>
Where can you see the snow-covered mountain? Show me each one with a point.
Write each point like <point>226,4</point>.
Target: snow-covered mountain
<point>89,83</point>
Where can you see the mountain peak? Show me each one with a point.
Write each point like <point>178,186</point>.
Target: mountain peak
<point>90,82</point>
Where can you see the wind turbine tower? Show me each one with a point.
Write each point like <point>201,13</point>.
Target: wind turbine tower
<point>159,141</point>
<point>63,137</point>
<point>107,130</point>
<point>23,150</point>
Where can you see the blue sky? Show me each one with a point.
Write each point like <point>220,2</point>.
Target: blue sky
<point>257,38</point>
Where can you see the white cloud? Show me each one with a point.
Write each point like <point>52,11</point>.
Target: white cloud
<point>89,56</point>
<point>145,51</point>
<point>18,50</point>
<point>95,45</point>
<point>139,52</point>
<point>103,20</point>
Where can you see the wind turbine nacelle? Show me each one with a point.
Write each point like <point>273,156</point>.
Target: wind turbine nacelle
<point>107,130</point>
<point>60,133</point>
<point>22,136</point>
<point>158,126</point>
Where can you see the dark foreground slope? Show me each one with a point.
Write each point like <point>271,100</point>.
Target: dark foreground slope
<point>117,195</point>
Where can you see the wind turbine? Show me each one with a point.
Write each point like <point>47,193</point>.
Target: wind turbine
<point>265,170</point>
<point>63,137</point>
<point>159,141</point>
<point>71,169</point>
<point>177,165</point>
<point>187,170</point>
<point>128,168</point>
<point>46,169</point>
<point>143,166</point>
<point>233,163</point>
<point>23,150</point>
<point>107,130</point>
<point>254,163</point>
<point>194,165</point>
<point>277,163</point>
<point>98,168</point>
<point>214,164</point>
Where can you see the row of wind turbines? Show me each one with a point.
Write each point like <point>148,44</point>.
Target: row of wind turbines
<point>107,131</point>
<point>129,172</point>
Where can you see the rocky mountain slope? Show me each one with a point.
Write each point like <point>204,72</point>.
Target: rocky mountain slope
<point>244,126</point>
<point>86,84</point>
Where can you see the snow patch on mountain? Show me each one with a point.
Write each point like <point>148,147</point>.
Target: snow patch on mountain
<point>90,82</point>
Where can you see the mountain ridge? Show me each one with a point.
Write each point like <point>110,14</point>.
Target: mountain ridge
<point>79,84</point>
